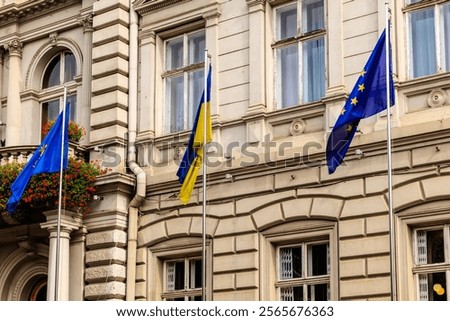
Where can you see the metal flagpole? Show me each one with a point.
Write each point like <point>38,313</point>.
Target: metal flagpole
<point>58,228</point>
<point>205,101</point>
<point>389,157</point>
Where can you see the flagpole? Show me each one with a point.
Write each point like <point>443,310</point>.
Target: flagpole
<point>58,228</point>
<point>389,157</point>
<point>205,100</point>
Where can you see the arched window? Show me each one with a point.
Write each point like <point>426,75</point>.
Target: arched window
<point>59,73</point>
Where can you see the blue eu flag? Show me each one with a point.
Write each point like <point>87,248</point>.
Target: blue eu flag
<point>46,159</point>
<point>368,97</point>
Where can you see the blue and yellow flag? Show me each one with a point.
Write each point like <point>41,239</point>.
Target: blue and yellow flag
<point>368,97</point>
<point>46,158</point>
<point>193,156</point>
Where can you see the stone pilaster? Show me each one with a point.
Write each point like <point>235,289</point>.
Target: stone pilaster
<point>70,221</point>
<point>14,105</point>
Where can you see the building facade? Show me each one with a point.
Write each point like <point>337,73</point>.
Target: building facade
<point>278,226</point>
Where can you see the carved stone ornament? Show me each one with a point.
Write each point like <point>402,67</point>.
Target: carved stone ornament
<point>437,98</point>
<point>297,127</point>
<point>14,47</point>
<point>86,22</point>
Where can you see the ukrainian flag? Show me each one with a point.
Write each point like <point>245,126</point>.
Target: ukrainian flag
<point>193,156</point>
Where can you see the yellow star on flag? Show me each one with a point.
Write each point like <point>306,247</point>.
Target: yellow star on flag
<point>363,73</point>
<point>343,111</point>
<point>361,87</point>
<point>349,128</point>
<point>354,101</point>
<point>42,150</point>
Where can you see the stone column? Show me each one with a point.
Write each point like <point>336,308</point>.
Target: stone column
<point>69,222</point>
<point>85,95</point>
<point>14,105</point>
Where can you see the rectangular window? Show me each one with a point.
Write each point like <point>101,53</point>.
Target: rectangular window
<point>52,108</point>
<point>184,77</point>
<point>431,263</point>
<point>300,52</point>
<point>429,39</point>
<point>304,272</point>
<point>183,280</point>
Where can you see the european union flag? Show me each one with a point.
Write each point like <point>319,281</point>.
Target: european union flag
<point>368,97</point>
<point>193,156</point>
<point>46,158</point>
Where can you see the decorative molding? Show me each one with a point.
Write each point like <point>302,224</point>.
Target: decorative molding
<point>14,47</point>
<point>153,5</point>
<point>87,23</point>
<point>437,98</point>
<point>297,127</point>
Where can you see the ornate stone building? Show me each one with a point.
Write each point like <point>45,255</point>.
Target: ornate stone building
<point>279,227</point>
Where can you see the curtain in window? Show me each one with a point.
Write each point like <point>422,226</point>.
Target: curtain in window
<point>175,89</point>
<point>288,75</point>
<point>313,15</point>
<point>423,43</point>
<point>313,70</point>
<point>446,36</point>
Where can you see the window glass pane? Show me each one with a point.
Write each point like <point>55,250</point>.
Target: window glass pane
<point>313,70</point>
<point>290,262</point>
<point>196,84</point>
<point>318,259</point>
<point>52,73</point>
<point>73,107</point>
<point>446,36</point>
<point>423,43</point>
<point>313,15</point>
<point>430,247</point>
<point>50,111</point>
<point>288,78</point>
<point>174,54</point>
<point>436,285</point>
<point>70,67</point>
<point>291,293</point>
<point>175,106</point>
<point>195,274</point>
<point>287,22</point>
<point>412,1</point>
<point>179,275</point>
<point>435,246</point>
<point>318,292</point>
<point>196,45</point>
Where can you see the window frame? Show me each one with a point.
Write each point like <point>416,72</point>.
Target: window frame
<point>187,292</point>
<point>294,232</point>
<point>169,250</point>
<point>299,39</point>
<point>56,92</point>
<point>431,268</point>
<point>306,279</point>
<point>441,57</point>
<point>190,103</point>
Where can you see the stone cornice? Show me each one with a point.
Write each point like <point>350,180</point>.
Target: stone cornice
<point>31,9</point>
<point>152,5</point>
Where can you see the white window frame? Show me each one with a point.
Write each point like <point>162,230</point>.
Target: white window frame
<point>306,279</point>
<point>291,233</point>
<point>170,250</point>
<point>300,38</point>
<point>424,268</point>
<point>187,292</point>
<point>189,103</point>
<point>440,54</point>
<point>56,93</point>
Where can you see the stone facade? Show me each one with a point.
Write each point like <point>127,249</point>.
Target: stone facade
<point>267,186</point>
